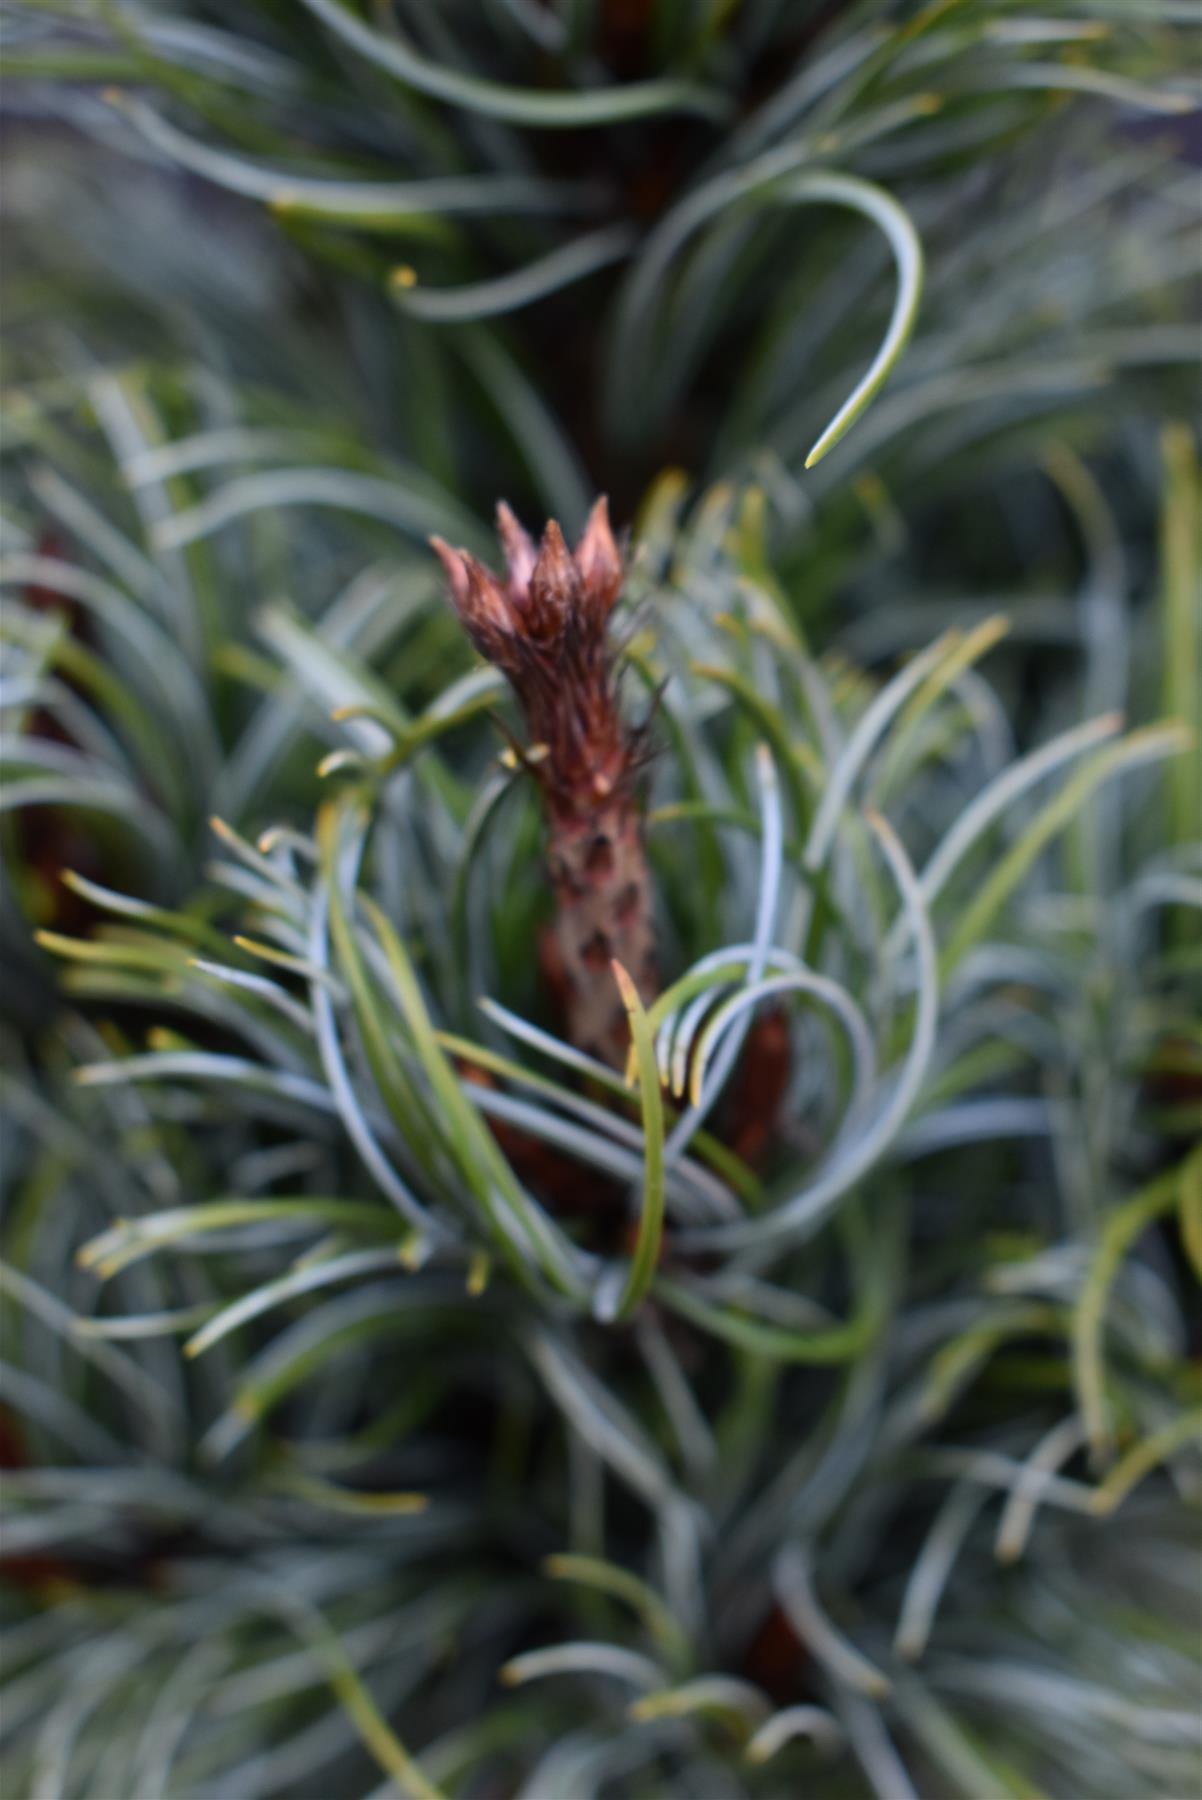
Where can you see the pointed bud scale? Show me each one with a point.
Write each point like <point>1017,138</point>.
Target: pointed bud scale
<point>479,599</point>
<point>554,587</point>
<point>486,599</point>
<point>599,561</point>
<point>554,573</point>
<point>452,561</point>
<point>520,553</point>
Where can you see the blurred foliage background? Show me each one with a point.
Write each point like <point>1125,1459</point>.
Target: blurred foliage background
<point>392,1399</point>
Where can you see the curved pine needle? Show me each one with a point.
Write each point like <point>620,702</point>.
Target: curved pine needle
<point>1151,744</point>
<point>813,1722</point>
<point>724,1697</point>
<point>610,1578</point>
<point>651,1218</point>
<point>519,106</point>
<point>1145,1456</point>
<point>1120,1231</point>
<point>848,1666</point>
<point>374,1729</point>
<point>414,204</point>
<point>773,1342</point>
<point>894,221</point>
<point>517,288</point>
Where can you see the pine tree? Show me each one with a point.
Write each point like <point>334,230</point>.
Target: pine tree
<point>601,1178</point>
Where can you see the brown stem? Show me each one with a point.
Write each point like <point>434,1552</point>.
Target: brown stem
<point>602,913</point>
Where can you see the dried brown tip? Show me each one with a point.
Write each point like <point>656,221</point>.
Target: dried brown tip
<point>599,560</point>
<point>519,548</point>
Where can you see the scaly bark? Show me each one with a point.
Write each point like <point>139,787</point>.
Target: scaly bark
<point>545,626</point>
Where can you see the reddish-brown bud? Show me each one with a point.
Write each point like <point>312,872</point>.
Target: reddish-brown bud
<point>545,628</point>
<point>554,592</point>
<point>599,561</point>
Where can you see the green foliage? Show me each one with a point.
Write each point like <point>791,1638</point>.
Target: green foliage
<point>338,1036</point>
<point>392,1394</point>
<point>727,338</point>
